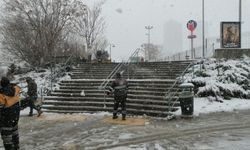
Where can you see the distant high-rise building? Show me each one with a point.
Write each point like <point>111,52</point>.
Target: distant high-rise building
<point>173,38</point>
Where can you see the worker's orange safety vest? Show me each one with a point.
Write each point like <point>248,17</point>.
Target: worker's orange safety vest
<point>8,101</point>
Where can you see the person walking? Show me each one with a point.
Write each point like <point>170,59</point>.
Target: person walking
<point>32,97</point>
<point>9,114</point>
<point>120,90</point>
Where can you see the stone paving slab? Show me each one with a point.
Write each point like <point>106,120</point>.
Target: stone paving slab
<point>128,121</point>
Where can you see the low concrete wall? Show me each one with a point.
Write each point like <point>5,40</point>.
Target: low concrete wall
<point>231,53</point>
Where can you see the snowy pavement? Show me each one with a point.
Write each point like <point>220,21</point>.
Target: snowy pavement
<point>215,125</point>
<point>208,105</point>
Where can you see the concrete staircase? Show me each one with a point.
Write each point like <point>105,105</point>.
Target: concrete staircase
<point>148,83</point>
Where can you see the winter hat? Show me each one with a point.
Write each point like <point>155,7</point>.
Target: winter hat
<point>28,79</point>
<point>118,75</point>
<point>5,81</point>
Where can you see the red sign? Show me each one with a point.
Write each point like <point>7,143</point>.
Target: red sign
<point>191,25</point>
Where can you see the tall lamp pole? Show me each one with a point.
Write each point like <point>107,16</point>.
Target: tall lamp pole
<point>148,34</point>
<point>110,47</point>
<point>240,11</point>
<point>240,17</point>
<point>203,30</point>
<point>86,22</point>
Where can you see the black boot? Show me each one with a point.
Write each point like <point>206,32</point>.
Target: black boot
<point>123,116</point>
<point>115,116</point>
<point>30,114</point>
<point>39,112</point>
<point>31,111</point>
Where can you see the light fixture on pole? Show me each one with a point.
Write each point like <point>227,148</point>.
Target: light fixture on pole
<point>148,34</point>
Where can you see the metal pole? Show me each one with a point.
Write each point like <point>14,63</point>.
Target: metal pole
<point>213,49</point>
<point>206,44</point>
<point>148,28</point>
<point>240,17</point>
<point>110,51</point>
<point>192,45</point>
<point>148,43</point>
<point>240,11</point>
<point>203,30</point>
<point>192,48</point>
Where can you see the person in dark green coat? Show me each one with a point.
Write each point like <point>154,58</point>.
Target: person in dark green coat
<point>32,97</point>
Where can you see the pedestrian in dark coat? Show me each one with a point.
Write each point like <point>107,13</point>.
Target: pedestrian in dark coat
<point>9,114</point>
<point>32,97</point>
<point>120,90</point>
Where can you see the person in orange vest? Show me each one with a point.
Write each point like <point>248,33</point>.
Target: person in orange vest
<point>9,114</point>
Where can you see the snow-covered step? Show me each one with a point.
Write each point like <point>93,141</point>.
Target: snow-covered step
<point>111,99</point>
<point>67,109</point>
<point>148,83</point>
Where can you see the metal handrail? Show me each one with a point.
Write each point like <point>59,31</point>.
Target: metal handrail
<point>170,96</point>
<point>116,69</point>
<point>113,72</point>
<point>110,76</point>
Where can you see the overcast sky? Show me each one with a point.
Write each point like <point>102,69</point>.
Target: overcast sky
<point>126,20</point>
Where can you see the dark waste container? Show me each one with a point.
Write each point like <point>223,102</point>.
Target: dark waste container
<point>186,98</point>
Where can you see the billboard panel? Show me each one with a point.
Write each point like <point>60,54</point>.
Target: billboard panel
<point>230,35</point>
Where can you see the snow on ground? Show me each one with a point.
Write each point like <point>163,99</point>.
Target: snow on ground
<point>205,106</point>
<point>201,106</point>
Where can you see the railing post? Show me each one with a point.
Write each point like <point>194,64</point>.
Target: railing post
<point>104,104</point>
<point>51,76</point>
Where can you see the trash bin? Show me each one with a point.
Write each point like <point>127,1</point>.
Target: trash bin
<point>186,98</point>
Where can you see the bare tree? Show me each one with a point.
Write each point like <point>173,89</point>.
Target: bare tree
<point>33,29</point>
<point>91,26</point>
<point>153,51</point>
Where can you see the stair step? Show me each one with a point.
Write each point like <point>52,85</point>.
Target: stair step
<point>108,109</point>
<point>148,84</point>
<point>111,100</point>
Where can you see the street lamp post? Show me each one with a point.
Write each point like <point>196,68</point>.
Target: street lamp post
<point>240,11</point>
<point>86,12</point>
<point>203,29</point>
<point>240,15</point>
<point>148,34</point>
<point>110,47</point>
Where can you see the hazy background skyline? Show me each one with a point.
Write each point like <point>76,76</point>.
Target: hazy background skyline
<point>126,21</point>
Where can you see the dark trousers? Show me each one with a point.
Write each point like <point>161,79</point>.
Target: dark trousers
<point>119,100</point>
<point>33,106</point>
<point>9,127</point>
<point>29,102</point>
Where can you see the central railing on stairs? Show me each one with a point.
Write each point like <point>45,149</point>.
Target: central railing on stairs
<point>116,69</point>
<point>105,83</point>
<point>171,93</point>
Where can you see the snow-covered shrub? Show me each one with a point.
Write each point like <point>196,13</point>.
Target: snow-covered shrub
<point>221,78</point>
